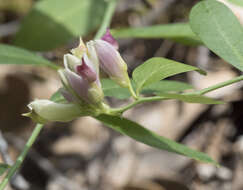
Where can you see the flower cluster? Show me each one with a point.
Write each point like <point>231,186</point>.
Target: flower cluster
<point>81,81</point>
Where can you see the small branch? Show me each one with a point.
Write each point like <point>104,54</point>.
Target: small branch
<point>107,18</point>
<point>217,86</point>
<point>157,98</point>
<point>138,101</point>
<point>55,175</point>
<point>17,181</point>
<point>21,157</point>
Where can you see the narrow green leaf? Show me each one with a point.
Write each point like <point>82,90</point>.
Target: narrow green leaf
<point>110,88</point>
<point>141,134</point>
<point>237,2</point>
<point>219,30</point>
<point>3,168</point>
<point>178,32</point>
<point>156,69</point>
<point>166,86</point>
<point>54,22</point>
<point>14,55</point>
<point>191,98</point>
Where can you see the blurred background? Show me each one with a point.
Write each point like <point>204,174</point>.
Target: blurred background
<point>84,154</point>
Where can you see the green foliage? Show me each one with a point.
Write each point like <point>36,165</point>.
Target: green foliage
<point>166,86</point>
<point>141,134</point>
<point>58,97</point>
<point>179,32</point>
<point>156,69</point>
<point>237,2</point>
<point>13,55</point>
<point>111,89</point>
<point>3,168</point>
<point>191,98</point>
<point>52,23</point>
<point>219,30</point>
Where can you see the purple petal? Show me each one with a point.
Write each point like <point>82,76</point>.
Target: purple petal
<point>109,58</point>
<point>68,96</point>
<point>86,72</point>
<point>78,84</point>
<point>110,39</point>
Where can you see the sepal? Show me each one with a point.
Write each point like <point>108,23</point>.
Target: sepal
<point>43,111</point>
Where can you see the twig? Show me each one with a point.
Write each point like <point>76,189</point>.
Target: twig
<point>21,157</point>
<point>219,85</point>
<point>17,181</point>
<point>46,165</point>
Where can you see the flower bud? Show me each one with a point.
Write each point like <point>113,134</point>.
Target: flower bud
<point>79,87</point>
<point>68,96</point>
<point>71,61</point>
<point>110,39</point>
<point>86,72</point>
<point>112,63</point>
<point>81,80</point>
<point>43,111</point>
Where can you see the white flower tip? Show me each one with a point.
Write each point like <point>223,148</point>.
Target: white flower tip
<point>70,61</point>
<point>80,50</point>
<point>46,110</point>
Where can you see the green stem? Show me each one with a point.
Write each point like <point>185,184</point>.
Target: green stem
<point>107,18</point>
<point>105,24</point>
<point>156,98</point>
<point>217,86</point>
<point>138,101</point>
<point>132,91</point>
<point>21,157</point>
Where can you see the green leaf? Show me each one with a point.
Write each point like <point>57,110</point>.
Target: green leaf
<point>178,32</point>
<point>166,86</point>
<point>14,55</point>
<point>237,2</point>
<point>156,69</point>
<point>110,88</point>
<point>219,30</point>
<point>191,98</point>
<point>3,168</point>
<point>52,23</point>
<point>141,134</point>
<point>58,97</point>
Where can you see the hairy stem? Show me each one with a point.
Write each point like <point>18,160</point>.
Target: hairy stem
<point>21,157</point>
